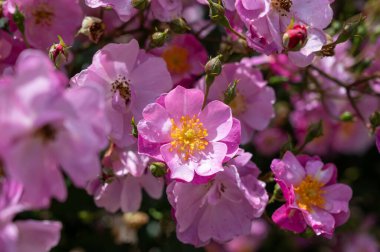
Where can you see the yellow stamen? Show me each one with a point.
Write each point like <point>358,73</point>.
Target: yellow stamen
<point>43,14</point>
<point>309,194</point>
<point>238,104</point>
<point>189,137</point>
<point>177,59</point>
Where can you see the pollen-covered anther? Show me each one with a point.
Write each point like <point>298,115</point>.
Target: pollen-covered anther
<point>238,104</point>
<point>188,137</point>
<point>309,194</point>
<point>122,86</point>
<point>43,14</point>
<point>177,59</point>
<point>282,6</point>
<point>46,133</point>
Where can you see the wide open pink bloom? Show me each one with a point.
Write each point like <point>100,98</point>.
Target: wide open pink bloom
<point>313,198</point>
<point>191,140</point>
<point>267,21</point>
<point>129,79</point>
<point>121,183</point>
<point>45,20</point>
<point>49,129</point>
<point>185,58</point>
<point>221,209</point>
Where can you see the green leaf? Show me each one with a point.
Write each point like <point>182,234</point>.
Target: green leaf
<point>19,19</point>
<point>350,28</point>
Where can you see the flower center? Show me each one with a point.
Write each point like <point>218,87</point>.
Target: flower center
<point>176,59</point>
<point>2,172</point>
<point>188,137</point>
<point>348,129</point>
<point>309,194</point>
<point>47,133</point>
<point>43,14</point>
<point>123,87</point>
<point>238,104</point>
<point>282,6</point>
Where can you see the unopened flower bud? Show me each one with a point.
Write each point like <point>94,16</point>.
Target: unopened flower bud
<point>314,131</point>
<point>295,38</point>
<point>58,52</point>
<point>230,93</point>
<point>158,169</point>
<point>375,120</point>
<point>214,66</point>
<point>93,28</point>
<point>217,14</point>
<point>135,132</point>
<point>346,117</point>
<point>158,39</point>
<point>140,4</point>
<point>179,25</point>
<point>19,20</point>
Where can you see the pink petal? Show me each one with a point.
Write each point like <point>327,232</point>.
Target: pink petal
<point>317,170</point>
<point>148,148</point>
<point>317,14</point>
<point>109,196</point>
<point>260,110</point>
<point>320,221</point>
<point>217,119</point>
<point>131,195</point>
<point>156,125</point>
<point>40,175</point>
<point>152,185</point>
<point>211,159</point>
<point>337,197</point>
<point>288,170</point>
<point>290,219</point>
<point>232,140</point>
<point>180,169</point>
<point>183,102</point>
<point>37,236</point>
<point>118,58</point>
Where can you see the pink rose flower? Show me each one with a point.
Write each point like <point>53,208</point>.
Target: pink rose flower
<point>121,183</point>
<point>189,139</point>
<point>234,198</point>
<point>23,235</point>
<point>185,58</point>
<point>129,79</point>
<point>253,104</point>
<point>268,21</point>
<point>313,198</point>
<point>45,20</point>
<point>49,129</point>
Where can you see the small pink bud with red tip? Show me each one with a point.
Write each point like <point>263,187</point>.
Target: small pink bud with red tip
<point>295,38</point>
<point>58,51</point>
